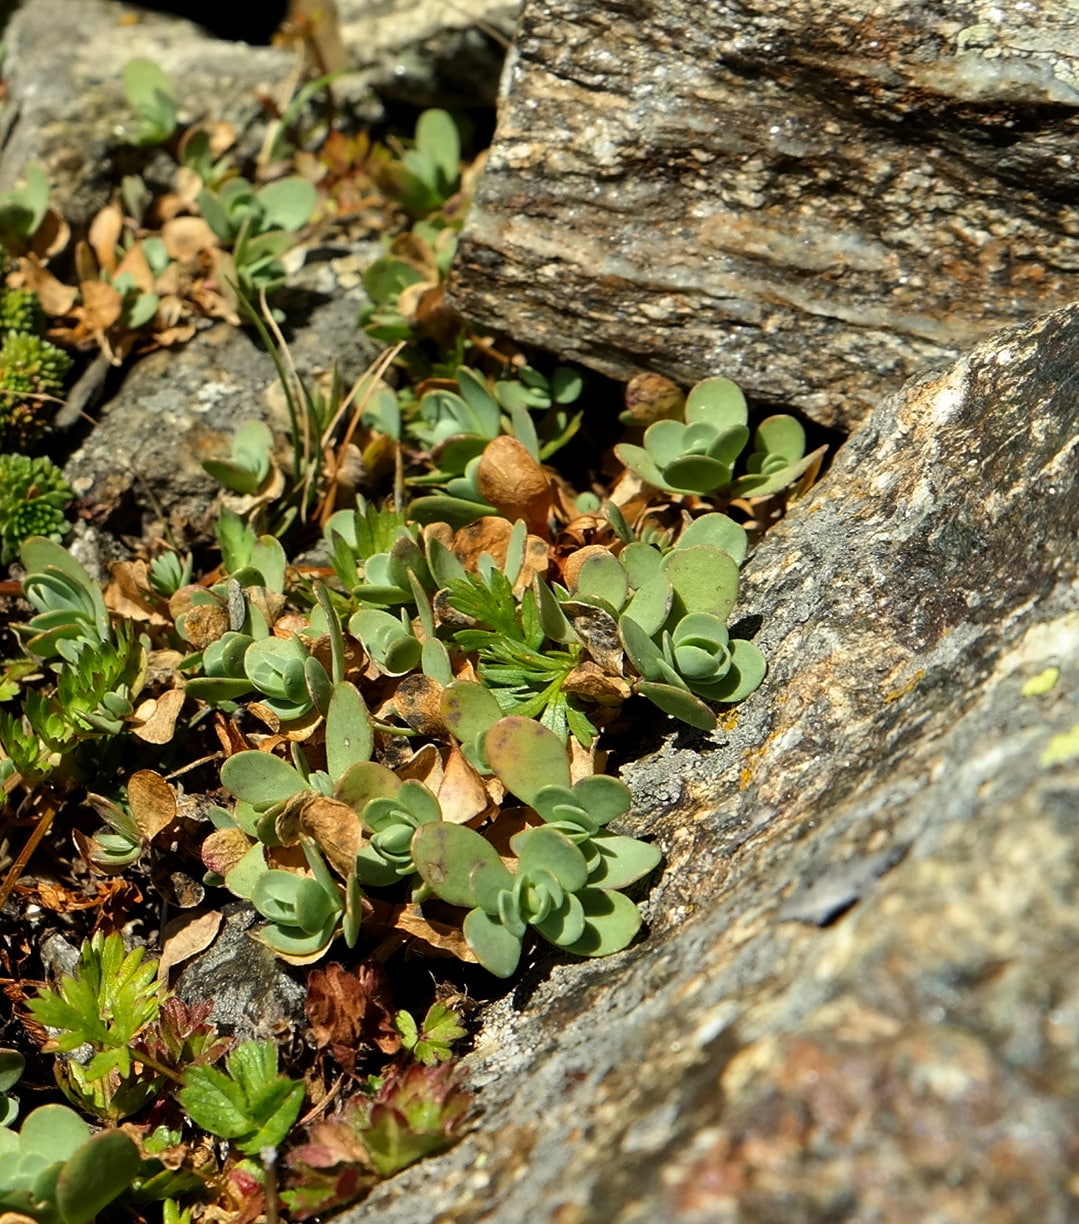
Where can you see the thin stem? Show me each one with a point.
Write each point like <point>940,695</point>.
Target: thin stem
<point>37,833</point>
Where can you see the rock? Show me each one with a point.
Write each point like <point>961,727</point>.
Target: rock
<point>728,188</point>
<point>916,1058</point>
<point>254,997</point>
<point>143,458</point>
<point>74,122</point>
<point>427,52</point>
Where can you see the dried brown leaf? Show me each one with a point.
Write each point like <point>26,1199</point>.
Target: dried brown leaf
<point>224,848</point>
<point>155,719</point>
<point>104,236</point>
<point>511,480</point>
<point>152,801</point>
<point>185,936</point>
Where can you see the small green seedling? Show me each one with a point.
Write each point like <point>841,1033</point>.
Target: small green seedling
<point>248,1103</point>
<point>431,1042</point>
<point>33,495</point>
<point>150,95</point>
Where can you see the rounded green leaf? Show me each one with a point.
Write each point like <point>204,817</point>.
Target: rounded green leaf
<point>638,460</point>
<point>314,906</point>
<point>781,435</point>
<point>696,474</point>
<point>546,849</point>
<point>602,797</point>
<point>288,203</point>
<point>349,737</point>
<point>242,880</point>
<point>364,781</point>
<point>260,777</point>
<point>526,756</point>
<point>565,924</point>
<point>679,703</point>
<point>602,577</point>
<point>651,603</point>
<point>747,670</point>
<point>497,950</point>
<point>666,441</point>
<point>717,401</point>
<point>12,1064</point>
<point>53,1131</point>
<point>621,860</point>
<point>446,856</point>
<point>611,922</point>
<point>718,530</point>
<point>704,580</point>
<point>95,1175</point>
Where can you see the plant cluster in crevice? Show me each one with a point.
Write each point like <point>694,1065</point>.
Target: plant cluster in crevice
<point>391,746</point>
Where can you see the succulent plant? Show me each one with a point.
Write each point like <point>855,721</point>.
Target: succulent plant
<point>290,681</point>
<point>427,174</point>
<point>391,821</point>
<point>532,764</point>
<point>30,368</point>
<point>696,658</point>
<point>387,639</point>
<point>549,891</point>
<point>414,1112</point>
<point>67,600</point>
<point>304,913</point>
<point>12,1065</point>
<point>149,93</point>
<point>697,455</point>
<point>250,462</point>
<point>20,311</point>
<point>33,494</point>
<point>55,1172</point>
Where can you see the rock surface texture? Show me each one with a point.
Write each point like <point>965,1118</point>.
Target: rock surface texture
<point>815,199</point>
<point>916,1057</point>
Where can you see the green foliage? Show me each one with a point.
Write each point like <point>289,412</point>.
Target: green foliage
<point>258,224</point>
<point>416,1111</point>
<point>697,455</point>
<point>23,210</point>
<point>248,1103</point>
<point>55,1172</point>
<point>392,820</point>
<point>33,494</point>
<point>250,463</point>
<point>150,95</point>
<point>549,891</point>
<point>12,1065</point>
<point>428,173</point>
<point>431,1042</point>
<point>112,998</point>
<point>20,311</point>
<point>32,371</point>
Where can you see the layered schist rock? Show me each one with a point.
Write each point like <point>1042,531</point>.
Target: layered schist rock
<point>813,198</point>
<point>857,998</point>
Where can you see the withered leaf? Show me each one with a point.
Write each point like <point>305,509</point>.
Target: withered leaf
<point>152,801</point>
<point>351,1012</point>
<point>185,936</point>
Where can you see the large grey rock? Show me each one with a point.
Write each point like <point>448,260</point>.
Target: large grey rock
<point>917,1058</point>
<point>815,199</point>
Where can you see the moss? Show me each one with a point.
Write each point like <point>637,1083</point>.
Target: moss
<point>30,368</point>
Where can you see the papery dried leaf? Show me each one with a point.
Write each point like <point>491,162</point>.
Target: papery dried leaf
<point>350,1011</point>
<point>336,828</point>
<point>598,630</point>
<point>102,305</point>
<point>418,700</point>
<point>154,721</point>
<point>229,735</point>
<point>591,682</point>
<point>224,848</point>
<point>433,938</point>
<point>408,300</point>
<point>178,888</point>
<point>462,794</point>
<point>104,236</point>
<point>571,566</point>
<point>129,594</point>
<point>152,801</point>
<point>204,624</point>
<point>424,765</point>
<point>186,936</point>
<point>489,534</point>
<point>136,265</point>
<point>511,480</point>
<point>50,237</point>
<point>185,238</point>
<point>56,298</point>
